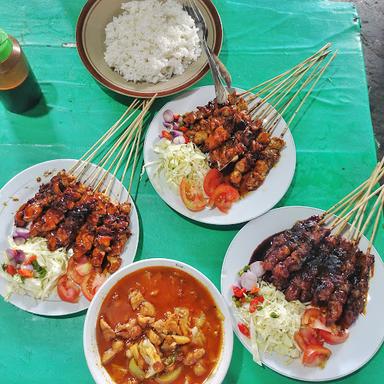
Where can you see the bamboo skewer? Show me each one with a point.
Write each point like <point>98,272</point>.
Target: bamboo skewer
<point>354,207</point>
<point>360,214</point>
<point>273,99</point>
<point>291,85</point>
<point>309,91</point>
<point>378,204</point>
<point>126,139</point>
<point>344,219</point>
<point>356,192</point>
<point>376,224</point>
<point>135,161</point>
<point>278,77</point>
<point>115,148</point>
<point>103,139</point>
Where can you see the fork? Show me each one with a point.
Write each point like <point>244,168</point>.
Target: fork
<point>217,67</point>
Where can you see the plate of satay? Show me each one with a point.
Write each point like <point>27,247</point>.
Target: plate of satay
<point>186,180</point>
<point>60,240</point>
<point>68,225</point>
<point>304,287</point>
<point>228,163</point>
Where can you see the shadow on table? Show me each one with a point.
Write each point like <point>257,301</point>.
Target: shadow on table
<point>236,362</point>
<point>77,314</point>
<point>230,227</point>
<point>126,100</point>
<point>40,109</point>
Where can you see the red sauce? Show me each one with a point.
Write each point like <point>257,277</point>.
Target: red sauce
<point>166,288</point>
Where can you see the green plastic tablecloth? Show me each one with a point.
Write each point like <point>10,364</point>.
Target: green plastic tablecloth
<point>333,135</point>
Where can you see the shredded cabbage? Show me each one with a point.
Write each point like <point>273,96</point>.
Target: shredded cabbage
<point>274,324</point>
<point>180,160</point>
<point>55,264</point>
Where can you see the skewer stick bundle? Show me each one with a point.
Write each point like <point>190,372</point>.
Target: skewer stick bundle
<point>115,151</point>
<point>274,99</point>
<point>359,209</point>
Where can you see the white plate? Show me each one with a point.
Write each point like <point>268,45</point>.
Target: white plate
<point>17,191</point>
<point>253,204</point>
<point>366,334</point>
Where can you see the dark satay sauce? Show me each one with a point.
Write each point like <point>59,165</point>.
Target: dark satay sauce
<point>259,253</point>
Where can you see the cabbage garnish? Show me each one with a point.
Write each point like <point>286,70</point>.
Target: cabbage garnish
<point>180,160</point>
<point>273,325</point>
<point>49,266</point>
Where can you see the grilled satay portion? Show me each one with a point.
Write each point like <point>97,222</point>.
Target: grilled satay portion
<point>357,297</point>
<point>34,207</point>
<point>237,145</point>
<point>311,265</point>
<point>70,215</point>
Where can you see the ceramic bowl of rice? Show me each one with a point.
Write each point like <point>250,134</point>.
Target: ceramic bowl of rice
<point>140,48</point>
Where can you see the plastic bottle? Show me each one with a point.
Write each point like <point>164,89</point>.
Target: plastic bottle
<point>19,90</point>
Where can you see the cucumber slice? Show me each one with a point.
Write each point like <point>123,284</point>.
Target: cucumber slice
<point>169,377</point>
<point>136,370</point>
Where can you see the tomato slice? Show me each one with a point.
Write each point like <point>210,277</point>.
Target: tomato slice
<point>314,318</point>
<point>166,135</point>
<point>307,336</point>
<point>91,283</point>
<point>238,292</point>
<point>10,269</point>
<point>223,197</point>
<point>25,272</point>
<point>333,337</point>
<point>211,181</point>
<point>77,271</point>
<point>30,260</point>
<point>255,303</point>
<point>192,198</point>
<point>244,329</point>
<point>315,356</point>
<point>68,290</point>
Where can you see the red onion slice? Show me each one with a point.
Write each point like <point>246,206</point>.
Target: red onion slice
<point>168,125</point>
<point>16,255</point>
<point>168,116</point>
<point>20,235</point>
<point>178,140</point>
<point>257,268</point>
<point>248,280</point>
<point>18,240</point>
<point>176,133</point>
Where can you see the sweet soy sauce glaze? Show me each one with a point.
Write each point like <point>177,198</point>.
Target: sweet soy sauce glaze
<point>260,251</point>
<point>159,325</point>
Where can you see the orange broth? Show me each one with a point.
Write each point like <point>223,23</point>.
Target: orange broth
<point>166,288</point>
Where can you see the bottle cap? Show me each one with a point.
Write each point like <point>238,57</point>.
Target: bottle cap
<point>6,46</point>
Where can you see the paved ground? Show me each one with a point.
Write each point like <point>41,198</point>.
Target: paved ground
<point>372,16</point>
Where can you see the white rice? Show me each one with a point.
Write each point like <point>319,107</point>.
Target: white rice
<point>151,41</point>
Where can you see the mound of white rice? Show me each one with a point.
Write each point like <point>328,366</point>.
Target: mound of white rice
<point>151,41</point>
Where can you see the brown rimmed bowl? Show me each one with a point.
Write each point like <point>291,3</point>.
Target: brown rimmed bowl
<point>90,38</point>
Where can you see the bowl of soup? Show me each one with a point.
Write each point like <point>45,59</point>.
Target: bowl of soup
<point>158,321</point>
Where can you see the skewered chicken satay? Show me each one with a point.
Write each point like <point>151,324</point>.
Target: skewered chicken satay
<point>84,241</point>
<point>65,234</point>
<point>69,214</point>
<point>268,157</point>
<point>114,222</point>
<point>228,152</point>
<point>33,208</point>
<point>357,298</point>
<point>61,203</point>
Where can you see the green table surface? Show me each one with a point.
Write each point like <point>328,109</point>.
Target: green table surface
<point>333,135</point>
